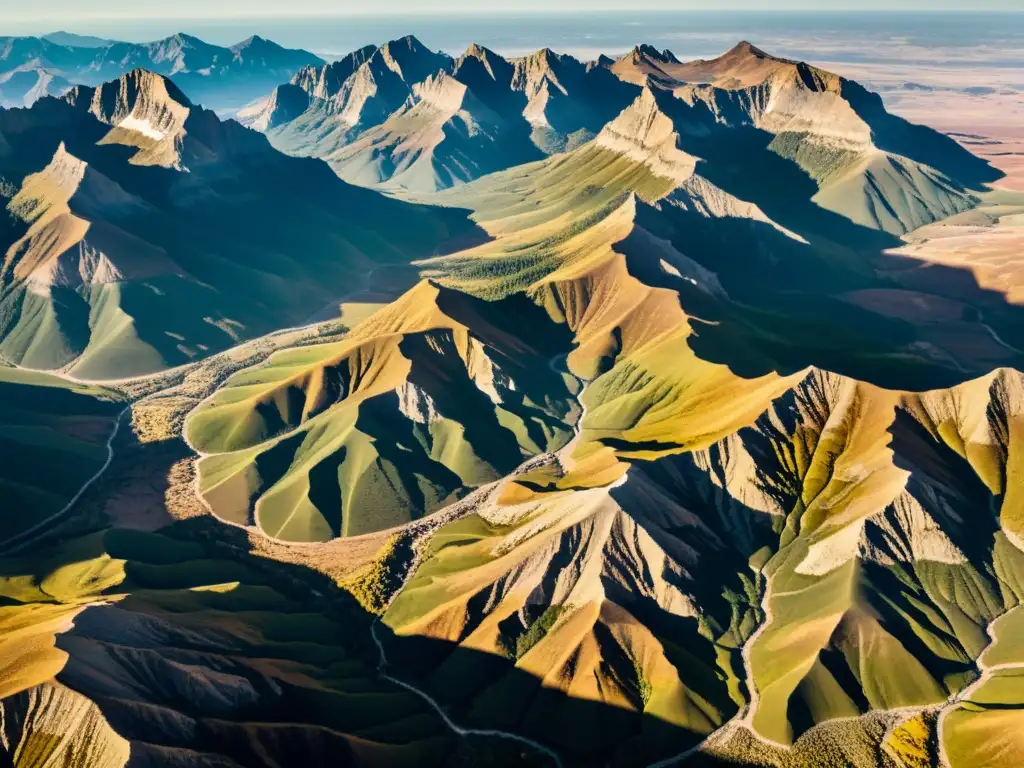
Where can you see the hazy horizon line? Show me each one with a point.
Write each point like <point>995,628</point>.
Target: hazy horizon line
<point>528,13</point>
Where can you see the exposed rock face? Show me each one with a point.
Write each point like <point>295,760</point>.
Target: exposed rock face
<point>145,110</point>
<point>829,127</point>
<point>443,137</point>
<point>326,81</point>
<point>68,728</point>
<point>285,104</point>
<point>412,61</point>
<point>646,133</point>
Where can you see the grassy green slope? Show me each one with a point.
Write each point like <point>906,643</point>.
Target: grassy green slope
<point>431,396</point>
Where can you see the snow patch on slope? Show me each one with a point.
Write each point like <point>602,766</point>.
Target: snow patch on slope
<point>143,126</point>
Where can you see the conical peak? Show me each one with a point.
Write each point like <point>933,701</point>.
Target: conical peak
<point>542,61</point>
<point>477,51</point>
<point>251,40</point>
<point>482,54</point>
<point>747,49</point>
<point>407,43</point>
<point>255,42</point>
<point>181,39</point>
<point>411,41</point>
<point>63,177</point>
<point>66,169</point>
<point>411,60</point>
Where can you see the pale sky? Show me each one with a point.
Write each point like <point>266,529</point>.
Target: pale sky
<point>31,10</point>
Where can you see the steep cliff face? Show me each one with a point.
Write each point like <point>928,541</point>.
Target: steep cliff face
<point>866,165</point>
<point>144,110</point>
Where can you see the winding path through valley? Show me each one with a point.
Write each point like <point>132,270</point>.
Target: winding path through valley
<point>434,705</point>
<point>21,540</point>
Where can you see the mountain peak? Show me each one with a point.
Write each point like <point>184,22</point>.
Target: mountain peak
<point>480,53</point>
<point>646,132</point>
<point>645,51</point>
<point>350,62</point>
<point>325,80</point>
<point>144,84</point>
<point>147,111</point>
<point>411,60</point>
<point>63,174</point>
<point>182,38</point>
<point>255,42</point>
<point>477,51</point>
<point>285,103</point>
<point>542,61</point>
<point>481,68</point>
<point>745,48</point>
<point>409,43</point>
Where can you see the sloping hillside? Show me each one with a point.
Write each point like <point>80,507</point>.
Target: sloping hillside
<point>435,394</point>
<point>146,233</point>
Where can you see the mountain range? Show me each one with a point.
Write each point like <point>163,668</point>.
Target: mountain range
<point>404,117</point>
<point>223,79</point>
<point>462,411</point>
<point>131,243</point>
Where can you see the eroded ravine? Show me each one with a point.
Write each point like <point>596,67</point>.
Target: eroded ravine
<point>383,663</point>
